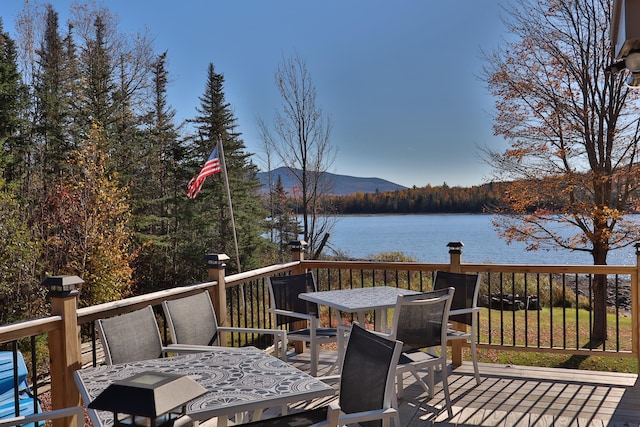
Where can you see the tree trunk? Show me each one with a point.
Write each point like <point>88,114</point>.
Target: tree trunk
<point>599,327</point>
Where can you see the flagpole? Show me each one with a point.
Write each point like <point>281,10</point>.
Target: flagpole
<point>226,184</point>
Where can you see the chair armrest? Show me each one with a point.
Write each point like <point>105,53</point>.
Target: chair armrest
<point>329,378</point>
<point>280,332</point>
<point>464,311</point>
<point>279,335</point>
<point>453,334</point>
<point>187,348</point>
<point>381,334</point>
<point>372,415</point>
<point>293,314</point>
<point>78,411</point>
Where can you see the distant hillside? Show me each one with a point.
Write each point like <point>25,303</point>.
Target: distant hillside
<point>342,184</point>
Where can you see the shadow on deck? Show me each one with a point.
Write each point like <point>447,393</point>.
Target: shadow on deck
<point>517,396</point>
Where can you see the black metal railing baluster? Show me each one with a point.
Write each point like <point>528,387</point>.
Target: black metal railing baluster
<point>526,312</point>
<point>489,317</point>
<point>513,311</point>
<point>94,349</point>
<point>617,307</point>
<point>591,301</point>
<point>565,319</point>
<point>501,311</point>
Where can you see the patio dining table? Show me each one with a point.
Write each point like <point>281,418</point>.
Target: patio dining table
<point>360,300</point>
<point>238,380</point>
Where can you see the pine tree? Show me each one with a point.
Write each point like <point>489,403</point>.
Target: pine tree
<point>53,87</point>
<point>158,192</point>
<point>99,78</point>
<point>212,226</point>
<point>284,221</point>
<point>13,103</point>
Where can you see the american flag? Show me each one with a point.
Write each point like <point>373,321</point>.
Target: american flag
<point>211,167</point>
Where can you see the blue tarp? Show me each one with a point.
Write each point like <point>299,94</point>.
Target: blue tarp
<point>7,392</point>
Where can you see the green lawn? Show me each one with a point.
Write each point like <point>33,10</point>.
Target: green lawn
<point>547,326</point>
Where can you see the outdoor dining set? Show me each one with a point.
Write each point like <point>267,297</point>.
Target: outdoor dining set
<point>197,379</point>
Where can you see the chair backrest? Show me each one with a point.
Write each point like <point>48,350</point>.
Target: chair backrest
<point>367,381</point>
<point>420,320</point>
<point>466,296</point>
<point>284,291</point>
<point>192,320</point>
<point>130,337</point>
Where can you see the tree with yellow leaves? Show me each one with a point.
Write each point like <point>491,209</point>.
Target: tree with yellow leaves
<point>573,130</point>
<point>86,226</point>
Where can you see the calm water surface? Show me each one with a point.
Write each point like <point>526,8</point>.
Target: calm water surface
<point>425,238</point>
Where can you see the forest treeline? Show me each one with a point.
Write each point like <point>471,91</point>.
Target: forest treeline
<point>422,200</point>
<point>94,166</point>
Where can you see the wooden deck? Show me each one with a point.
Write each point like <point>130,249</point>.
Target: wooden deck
<point>517,396</point>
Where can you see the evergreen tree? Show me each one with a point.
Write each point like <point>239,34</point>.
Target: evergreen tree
<point>99,78</point>
<point>13,103</point>
<point>211,226</point>
<point>53,83</point>
<point>158,193</point>
<point>284,221</point>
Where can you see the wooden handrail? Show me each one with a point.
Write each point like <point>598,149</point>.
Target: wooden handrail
<point>29,328</point>
<point>108,309</point>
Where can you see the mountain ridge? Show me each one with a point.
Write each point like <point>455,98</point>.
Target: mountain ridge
<point>342,184</point>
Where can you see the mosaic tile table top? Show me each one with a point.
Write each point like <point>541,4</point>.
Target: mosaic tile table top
<point>237,380</point>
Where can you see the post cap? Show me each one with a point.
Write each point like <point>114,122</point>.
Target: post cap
<point>298,245</point>
<point>60,286</point>
<point>455,247</point>
<point>216,260</point>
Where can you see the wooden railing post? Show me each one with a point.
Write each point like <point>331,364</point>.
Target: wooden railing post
<point>635,307</point>
<point>216,264</point>
<point>65,354</point>
<point>455,256</point>
<point>455,259</point>
<point>298,248</point>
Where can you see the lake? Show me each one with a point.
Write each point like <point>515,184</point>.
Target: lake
<point>425,238</point>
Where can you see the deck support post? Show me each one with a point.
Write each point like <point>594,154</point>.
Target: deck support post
<point>298,248</point>
<point>455,259</point>
<point>635,307</point>
<point>65,354</point>
<point>216,264</point>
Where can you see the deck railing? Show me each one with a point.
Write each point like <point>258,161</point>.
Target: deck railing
<point>243,300</point>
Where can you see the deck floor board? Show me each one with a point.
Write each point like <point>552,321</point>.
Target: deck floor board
<point>517,396</point>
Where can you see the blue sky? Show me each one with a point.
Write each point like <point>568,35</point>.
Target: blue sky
<point>400,79</point>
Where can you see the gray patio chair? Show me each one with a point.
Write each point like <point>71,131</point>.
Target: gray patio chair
<point>367,387</point>
<point>135,336</point>
<point>464,308</point>
<point>131,337</point>
<point>420,322</point>
<point>192,321</point>
<point>287,309</point>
